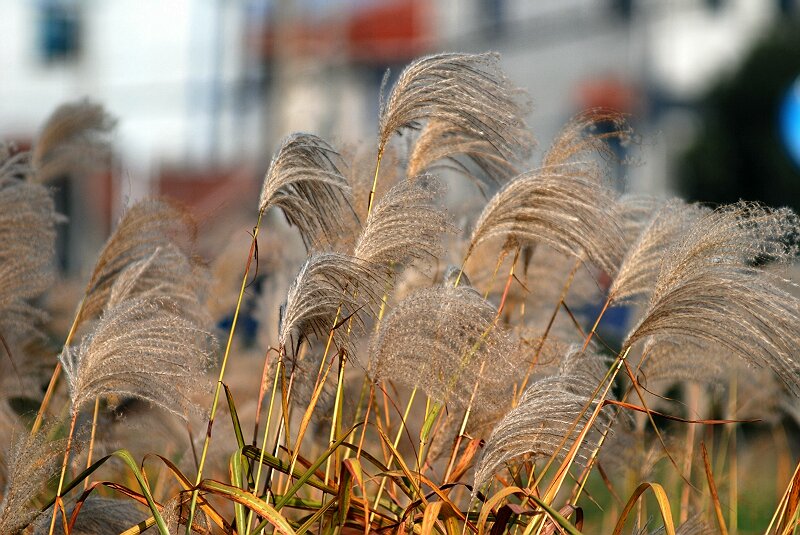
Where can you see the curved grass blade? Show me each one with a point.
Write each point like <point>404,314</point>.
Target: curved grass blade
<point>247,499</point>
<point>237,480</point>
<point>313,468</point>
<point>663,507</point>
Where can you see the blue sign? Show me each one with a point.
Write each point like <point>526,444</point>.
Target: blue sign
<point>790,121</point>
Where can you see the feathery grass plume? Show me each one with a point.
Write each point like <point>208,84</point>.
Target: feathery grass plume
<point>633,454</point>
<point>443,340</point>
<point>564,203</point>
<point>664,227</point>
<point>711,289</point>
<point>99,515</point>
<point>561,337</point>
<point>304,180</point>
<point>442,144</point>
<point>146,225</point>
<point>588,133</point>
<point>73,141</point>
<point>141,347</point>
<point>14,163</point>
<point>31,462</point>
<point>672,361</point>
<point>405,225</point>
<point>27,250</point>
<point>166,272</point>
<point>325,282</point>
<point>544,415</point>
<point>468,92</point>
<point>553,205</point>
<point>545,278</point>
<point>360,173</point>
<point>479,426</point>
<point>695,525</point>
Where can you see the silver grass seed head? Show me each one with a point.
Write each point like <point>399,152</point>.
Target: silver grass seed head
<point>442,145</point>
<point>27,254</point>
<point>145,226</point>
<point>142,348</point>
<point>166,272</point>
<point>544,415</point>
<point>305,181</point>
<point>74,140</point>
<point>467,92</point>
<point>654,234</point>
<point>327,283</point>
<point>30,463</point>
<point>405,226</point>
<point>444,341</point>
<point>711,288</point>
<point>566,202</point>
<point>559,206</point>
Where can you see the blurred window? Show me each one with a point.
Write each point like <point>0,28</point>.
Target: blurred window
<point>493,12</point>
<point>623,9</point>
<point>59,33</point>
<point>786,7</point>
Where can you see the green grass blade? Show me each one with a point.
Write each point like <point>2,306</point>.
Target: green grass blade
<point>238,481</point>
<point>127,458</point>
<point>250,501</point>
<point>313,468</point>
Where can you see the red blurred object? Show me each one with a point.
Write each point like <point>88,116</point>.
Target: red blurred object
<point>381,32</point>
<point>389,31</point>
<point>608,92</point>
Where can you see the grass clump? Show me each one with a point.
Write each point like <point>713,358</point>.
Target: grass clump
<point>420,376</point>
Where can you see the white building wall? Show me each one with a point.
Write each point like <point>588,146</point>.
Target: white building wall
<point>160,67</point>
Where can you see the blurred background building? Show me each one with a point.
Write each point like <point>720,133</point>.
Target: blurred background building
<point>204,89</point>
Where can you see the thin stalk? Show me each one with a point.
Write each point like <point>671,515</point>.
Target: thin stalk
<point>307,416</point>
<point>366,418</point>
<point>283,425</point>
<point>391,455</point>
<point>500,259</point>
<point>733,472</point>
<point>375,180</point>
<point>70,436</point>
<point>262,391</point>
<point>590,464</point>
<point>264,440</point>
<point>561,474</point>
<point>51,386</point>
<point>361,397</point>
<point>432,411</point>
<point>91,439</point>
<point>337,414</point>
<point>596,323</point>
<point>552,320</point>
<point>461,269</point>
<point>218,388</point>
<point>461,431</point>
<point>693,403</point>
<point>327,346</point>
